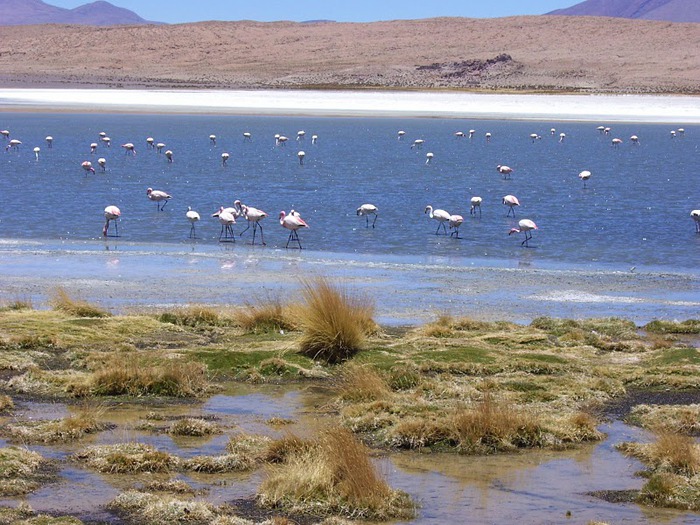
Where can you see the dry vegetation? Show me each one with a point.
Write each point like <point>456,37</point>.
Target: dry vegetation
<point>535,53</point>
<point>20,471</point>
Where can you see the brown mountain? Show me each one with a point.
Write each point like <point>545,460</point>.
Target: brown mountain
<point>533,53</point>
<point>100,13</point>
<point>669,10</point>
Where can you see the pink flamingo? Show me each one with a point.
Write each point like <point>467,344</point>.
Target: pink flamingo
<point>367,210</point>
<point>227,221</point>
<point>87,166</point>
<point>128,148</point>
<point>193,217</point>
<point>253,215</point>
<point>504,170</point>
<point>158,196</point>
<point>292,222</point>
<point>475,203</point>
<point>439,215</point>
<point>525,226</point>
<point>112,213</point>
<point>455,222</point>
<point>511,201</point>
<point>584,176</point>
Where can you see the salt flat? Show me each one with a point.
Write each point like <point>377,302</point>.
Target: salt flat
<point>588,108</point>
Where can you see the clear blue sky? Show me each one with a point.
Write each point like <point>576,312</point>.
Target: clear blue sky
<point>180,11</point>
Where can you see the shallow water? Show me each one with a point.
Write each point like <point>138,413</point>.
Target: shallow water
<point>533,487</point>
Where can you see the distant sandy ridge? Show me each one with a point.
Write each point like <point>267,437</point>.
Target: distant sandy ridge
<point>522,54</point>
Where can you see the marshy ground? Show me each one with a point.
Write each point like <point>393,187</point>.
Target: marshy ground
<point>455,386</point>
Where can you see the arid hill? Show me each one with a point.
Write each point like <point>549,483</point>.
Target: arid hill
<point>669,10</point>
<point>99,13</point>
<point>540,53</point>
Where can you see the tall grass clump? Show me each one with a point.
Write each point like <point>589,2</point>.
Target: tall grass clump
<point>264,317</point>
<point>19,304</point>
<point>194,316</point>
<point>61,301</point>
<point>334,323</point>
<point>361,383</point>
<point>333,476</point>
<point>19,471</point>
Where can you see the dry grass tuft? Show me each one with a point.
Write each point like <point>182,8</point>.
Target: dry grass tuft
<point>19,471</point>
<point>60,300</point>
<point>671,452</point>
<point>195,316</point>
<point>87,421</point>
<point>334,323</point>
<point>681,419</point>
<point>192,426</point>
<point>6,403</point>
<point>172,486</point>
<point>19,304</point>
<point>279,450</point>
<point>334,476</point>
<point>146,508</point>
<point>243,452</point>
<point>264,317</point>
<point>361,383</point>
<point>129,375</point>
<point>123,458</point>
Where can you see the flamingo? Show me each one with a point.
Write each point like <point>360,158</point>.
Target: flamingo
<point>236,210</point>
<point>49,141</point>
<point>428,157</point>
<point>562,136</point>
<point>511,201</point>
<point>149,142</point>
<point>367,210</point>
<point>673,134</point>
<point>36,152</point>
<point>600,129</point>
<point>616,142</point>
<point>157,196</point>
<point>301,156</point>
<point>553,131</point>
<point>159,147</point>
<point>455,222</point>
<point>224,158</point>
<point>227,221</point>
<point>280,140</point>
<point>417,143</point>
<point>488,137</point>
<point>471,133</point>
<point>5,133</point>
<point>681,130</point>
<point>87,166</point>
<point>505,171</point>
<point>128,148</point>
<point>314,139</point>
<point>293,222</point>
<point>193,217</point>
<point>169,156</point>
<point>534,137</point>
<point>247,136</point>
<point>253,215</point>
<point>439,215</point>
<point>112,213</point>
<point>103,163</point>
<point>212,139</point>
<point>102,134</point>
<point>584,176</point>
<point>606,131</point>
<point>524,226</point>
<point>300,135</point>
<point>106,141</point>
<point>475,203</point>
<point>459,134</point>
<point>634,139</point>
<point>15,144</point>
<point>93,147</point>
<point>401,134</point>
<point>695,214</point>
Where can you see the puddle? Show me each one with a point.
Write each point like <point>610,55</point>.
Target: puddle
<point>535,487</point>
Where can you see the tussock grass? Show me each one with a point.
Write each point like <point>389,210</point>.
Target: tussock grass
<point>671,452</point>
<point>23,514</point>
<point>6,403</point>
<point>334,323</point>
<point>146,508</point>
<point>194,427</point>
<point>60,300</point>
<point>361,383</point>
<point>335,476</point>
<point>681,419</point>
<point>243,452</point>
<point>18,304</point>
<point>131,375</point>
<point>72,428</point>
<point>195,316</point>
<point>690,326</point>
<point>279,450</point>
<point>264,317</point>
<point>19,471</point>
<point>664,489</point>
<point>125,458</point>
<point>172,486</point>
<point>447,325</point>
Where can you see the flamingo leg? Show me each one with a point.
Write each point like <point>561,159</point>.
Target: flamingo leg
<point>375,220</point>
<point>193,233</point>
<point>246,229</point>
<point>366,221</point>
<point>221,232</point>
<point>163,206</point>
<point>296,236</point>
<point>291,234</point>
<point>116,228</point>
<point>262,237</point>
<point>229,229</point>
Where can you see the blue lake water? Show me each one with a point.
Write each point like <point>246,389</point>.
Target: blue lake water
<point>633,213</point>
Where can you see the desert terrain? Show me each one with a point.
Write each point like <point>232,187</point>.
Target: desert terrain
<point>521,54</point>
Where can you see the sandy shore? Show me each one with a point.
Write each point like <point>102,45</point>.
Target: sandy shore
<point>590,108</point>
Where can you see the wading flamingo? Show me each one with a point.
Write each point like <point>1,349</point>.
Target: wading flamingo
<point>301,134</point>
<point>227,221</point>
<point>93,147</point>
<point>129,148</point>
<point>224,158</point>
<point>455,222</point>
<point>112,213</point>
<point>87,166</point>
<point>106,141</point>
<point>212,139</point>
<point>254,216</point>
<point>103,163</point>
<point>475,203</point>
<point>524,226</point>
<point>584,176</point>
<point>418,143</point>
<point>428,157</point>
<point>159,147</point>
<point>616,142</point>
<point>247,136</point>
<point>5,133</point>
<point>511,201</point>
<point>366,210</point>
<point>401,134</point>
<point>634,139</point>
<point>439,215</point>
<point>158,196</point>
<point>49,141</point>
<point>36,152</point>
<point>505,171</point>
<point>193,217</point>
<point>301,156</point>
<point>150,142</point>
<point>169,156</point>
<point>314,139</point>
<point>293,222</point>
<point>695,214</point>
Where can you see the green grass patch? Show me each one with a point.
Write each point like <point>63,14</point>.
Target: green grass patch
<point>677,356</point>
<point>691,326</point>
